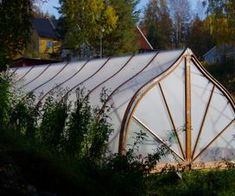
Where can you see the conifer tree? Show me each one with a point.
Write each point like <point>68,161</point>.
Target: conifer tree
<point>158,24</point>
<point>15,28</point>
<point>123,39</point>
<point>200,40</point>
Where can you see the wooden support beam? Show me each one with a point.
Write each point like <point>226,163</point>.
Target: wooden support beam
<point>188,118</point>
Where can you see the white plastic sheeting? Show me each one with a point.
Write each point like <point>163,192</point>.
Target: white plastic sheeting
<point>147,93</point>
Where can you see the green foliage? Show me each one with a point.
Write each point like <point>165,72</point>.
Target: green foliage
<point>53,123</point>
<point>5,99</point>
<point>15,25</point>
<point>221,17</point>
<point>78,127</point>
<point>24,115</point>
<point>158,24</point>
<point>123,39</point>
<point>167,23</point>
<point>76,137</point>
<point>224,73</point>
<point>214,182</point>
<point>86,21</point>
<point>125,174</point>
<point>200,39</point>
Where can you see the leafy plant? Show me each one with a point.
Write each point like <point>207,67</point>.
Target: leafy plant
<point>14,37</point>
<point>53,123</point>
<point>24,116</point>
<point>77,136</point>
<point>5,100</point>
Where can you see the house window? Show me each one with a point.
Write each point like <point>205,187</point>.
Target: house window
<point>49,44</point>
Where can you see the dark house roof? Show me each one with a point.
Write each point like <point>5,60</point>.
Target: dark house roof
<point>44,27</point>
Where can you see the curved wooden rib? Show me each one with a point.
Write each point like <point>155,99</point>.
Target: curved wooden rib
<point>14,71</point>
<point>51,90</point>
<point>25,73</point>
<point>134,101</point>
<point>171,119</point>
<point>49,79</point>
<point>114,91</point>
<point>36,77</point>
<point>76,86</point>
<point>110,76</point>
<point>147,86</point>
<point>214,81</point>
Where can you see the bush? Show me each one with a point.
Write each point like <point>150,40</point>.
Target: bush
<point>5,97</point>
<point>213,182</point>
<point>57,135</point>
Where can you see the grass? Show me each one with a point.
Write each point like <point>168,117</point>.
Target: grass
<point>213,182</point>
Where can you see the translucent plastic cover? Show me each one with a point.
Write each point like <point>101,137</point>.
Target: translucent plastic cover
<point>160,111</point>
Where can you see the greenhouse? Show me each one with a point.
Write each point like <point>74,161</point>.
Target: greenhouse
<point>167,95</point>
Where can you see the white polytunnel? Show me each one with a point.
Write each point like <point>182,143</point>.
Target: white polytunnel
<point>167,95</point>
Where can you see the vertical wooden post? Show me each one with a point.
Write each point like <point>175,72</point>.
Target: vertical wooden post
<point>188,125</point>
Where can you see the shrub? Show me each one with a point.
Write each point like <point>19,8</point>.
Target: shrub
<point>51,129</point>
<point>76,135</point>
<point>5,97</point>
<point>24,116</point>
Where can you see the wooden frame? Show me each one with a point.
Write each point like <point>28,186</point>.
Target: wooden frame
<point>58,85</point>
<point>188,116</point>
<point>25,74</point>
<point>111,76</point>
<point>76,86</point>
<point>114,91</point>
<point>46,67</point>
<point>50,78</point>
<point>187,56</point>
<point>138,96</point>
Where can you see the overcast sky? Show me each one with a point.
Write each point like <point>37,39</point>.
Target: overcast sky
<point>50,6</point>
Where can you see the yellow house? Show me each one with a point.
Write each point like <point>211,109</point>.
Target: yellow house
<point>45,42</point>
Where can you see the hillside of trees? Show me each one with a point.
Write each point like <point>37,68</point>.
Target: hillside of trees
<point>166,24</point>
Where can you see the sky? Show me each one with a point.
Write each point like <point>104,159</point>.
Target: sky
<point>51,4</point>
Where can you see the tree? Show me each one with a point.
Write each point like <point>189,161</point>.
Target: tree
<point>181,21</point>
<point>221,20</point>
<point>200,39</point>
<point>15,25</point>
<point>158,24</point>
<point>123,39</point>
<point>86,21</point>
